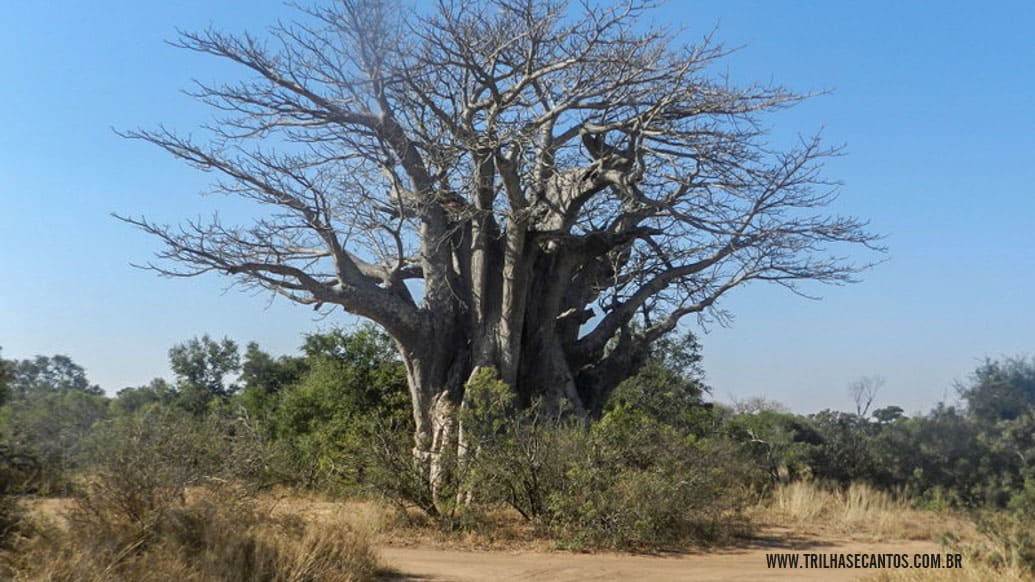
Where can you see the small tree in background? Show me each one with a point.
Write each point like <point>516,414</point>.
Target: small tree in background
<point>202,366</point>
<point>48,374</point>
<point>863,391</point>
<point>52,409</point>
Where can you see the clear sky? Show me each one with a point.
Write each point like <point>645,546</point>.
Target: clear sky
<point>935,103</point>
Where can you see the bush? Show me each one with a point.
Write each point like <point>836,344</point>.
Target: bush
<point>392,472</point>
<point>515,457</point>
<point>50,429</point>
<point>627,481</point>
<point>1011,541</point>
<point>353,382</point>
<point>15,471</point>
<point>157,507</point>
<point>167,447</point>
<point>636,483</point>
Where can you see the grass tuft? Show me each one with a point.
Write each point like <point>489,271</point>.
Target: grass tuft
<point>858,511</point>
<point>217,533</point>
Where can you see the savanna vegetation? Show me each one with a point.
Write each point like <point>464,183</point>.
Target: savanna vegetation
<point>163,471</point>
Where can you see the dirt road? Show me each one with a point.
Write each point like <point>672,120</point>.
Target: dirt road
<point>725,565</point>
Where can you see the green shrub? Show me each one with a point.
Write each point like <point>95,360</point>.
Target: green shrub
<point>51,428</point>
<point>352,382</point>
<point>626,481</point>
<point>513,456</point>
<point>638,483</point>
<point>11,514</point>
<point>167,498</point>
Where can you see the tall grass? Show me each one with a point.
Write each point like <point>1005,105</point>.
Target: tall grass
<point>993,549</point>
<point>215,534</point>
<point>859,510</point>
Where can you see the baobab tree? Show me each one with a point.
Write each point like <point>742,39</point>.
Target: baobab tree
<point>518,184</point>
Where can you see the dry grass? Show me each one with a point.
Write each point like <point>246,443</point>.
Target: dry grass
<point>864,513</point>
<point>215,534</point>
<point>488,529</point>
<point>499,528</point>
<point>971,572</point>
<point>859,512</point>
<point>484,529</point>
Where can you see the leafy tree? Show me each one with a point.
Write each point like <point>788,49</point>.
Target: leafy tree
<point>130,401</point>
<point>352,382</point>
<point>376,378</point>
<point>46,374</point>
<point>51,428</point>
<point>264,378</point>
<point>1015,439</point>
<point>669,387</point>
<point>846,452</point>
<point>1000,390</point>
<point>201,367</point>
<point>502,184</point>
<point>261,371</point>
<point>888,414</point>
<point>780,443</point>
<point>1000,402</point>
<point>52,407</point>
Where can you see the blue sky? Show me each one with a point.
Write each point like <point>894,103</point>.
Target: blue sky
<point>934,102</point>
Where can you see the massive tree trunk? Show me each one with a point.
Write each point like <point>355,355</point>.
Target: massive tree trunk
<point>501,185</point>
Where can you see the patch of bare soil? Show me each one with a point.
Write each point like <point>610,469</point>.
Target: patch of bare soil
<point>744,562</point>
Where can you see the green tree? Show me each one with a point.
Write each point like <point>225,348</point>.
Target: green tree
<point>51,427</point>
<point>1000,390</point>
<point>889,414</point>
<point>846,451</point>
<point>202,366</point>
<point>780,443</point>
<point>261,371</point>
<point>264,378</point>
<point>937,457</point>
<point>669,387</point>
<point>51,409</point>
<point>353,380</point>
<point>1000,401</point>
<point>44,374</point>
<point>130,401</point>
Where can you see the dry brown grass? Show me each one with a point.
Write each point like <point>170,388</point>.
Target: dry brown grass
<point>971,572</point>
<point>495,529</point>
<point>214,534</point>
<point>487,529</point>
<point>499,528</point>
<point>860,512</point>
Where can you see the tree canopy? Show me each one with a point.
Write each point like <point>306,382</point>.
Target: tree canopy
<point>47,374</point>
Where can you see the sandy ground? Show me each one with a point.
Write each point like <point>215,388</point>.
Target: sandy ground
<point>725,565</point>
